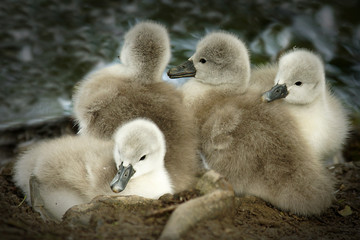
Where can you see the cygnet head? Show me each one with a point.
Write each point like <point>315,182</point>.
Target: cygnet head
<point>220,58</point>
<point>139,149</point>
<point>146,50</point>
<point>300,78</point>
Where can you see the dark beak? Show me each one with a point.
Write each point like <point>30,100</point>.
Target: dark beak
<point>277,92</point>
<point>122,178</point>
<point>185,69</point>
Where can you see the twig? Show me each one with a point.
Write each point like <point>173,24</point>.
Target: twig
<point>162,210</point>
<point>22,201</point>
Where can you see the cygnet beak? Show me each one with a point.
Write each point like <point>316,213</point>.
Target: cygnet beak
<point>122,178</point>
<point>276,92</point>
<point>185,69</point>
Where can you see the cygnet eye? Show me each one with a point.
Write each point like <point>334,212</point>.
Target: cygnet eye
<point>298,83</point>
<point>142,158</point>
<point>202,60</point>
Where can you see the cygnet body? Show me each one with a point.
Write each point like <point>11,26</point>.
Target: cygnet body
<point>262,78</point>
<point>255,145</point>
<point>113,95</point>
<point>73,170</point>
<point>322,120</point>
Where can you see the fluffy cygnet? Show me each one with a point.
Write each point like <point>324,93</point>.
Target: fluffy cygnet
<point>255,145</point>
<point>221,61</point>
<point>58,174</point>
<point>113,95</point>
<point>140,147</point>
<point>321,118</point>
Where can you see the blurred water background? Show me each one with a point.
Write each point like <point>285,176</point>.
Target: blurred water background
<point>47,46</point>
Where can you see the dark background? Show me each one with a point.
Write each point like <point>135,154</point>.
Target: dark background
<point>46,47</point>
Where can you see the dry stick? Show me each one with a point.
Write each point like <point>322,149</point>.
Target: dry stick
<point>162,210</point>
<point>186,215</point>
<point>22,201</point>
